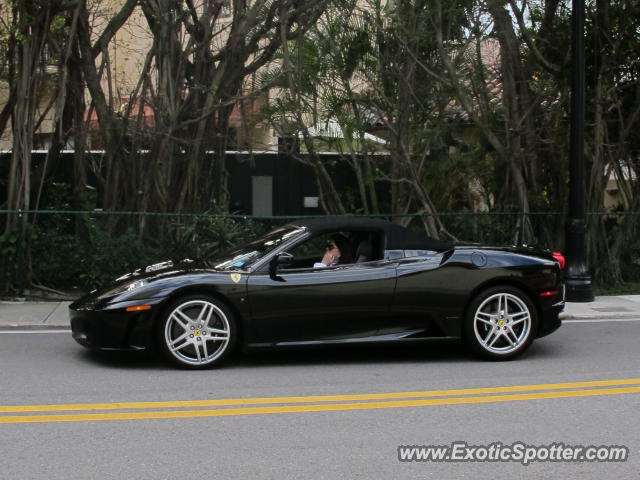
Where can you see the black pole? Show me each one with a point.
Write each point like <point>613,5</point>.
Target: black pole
<point>577,279</point>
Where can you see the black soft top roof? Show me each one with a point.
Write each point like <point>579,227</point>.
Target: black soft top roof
<point>397,237</point>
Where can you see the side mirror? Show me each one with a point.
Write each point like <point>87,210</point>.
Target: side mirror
<point>283,258</point>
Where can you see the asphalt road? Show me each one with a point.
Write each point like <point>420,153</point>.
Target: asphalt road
<point>274,440</point>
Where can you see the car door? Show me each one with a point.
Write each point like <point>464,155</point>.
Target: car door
<point>321,304</point>
<point>424,303</point>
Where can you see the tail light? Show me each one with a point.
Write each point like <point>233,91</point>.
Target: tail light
<point>559,257</point>
<point>549,293</point>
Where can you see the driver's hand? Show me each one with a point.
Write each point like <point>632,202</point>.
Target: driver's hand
<point>331,256</point>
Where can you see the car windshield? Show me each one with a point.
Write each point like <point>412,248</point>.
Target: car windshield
<point>245,256</point>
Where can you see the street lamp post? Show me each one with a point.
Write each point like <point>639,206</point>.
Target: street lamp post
<point>578,282</point>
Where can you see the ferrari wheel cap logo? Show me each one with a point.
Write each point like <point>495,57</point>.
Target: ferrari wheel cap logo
<point>236,277</point>
<point>501,323</point>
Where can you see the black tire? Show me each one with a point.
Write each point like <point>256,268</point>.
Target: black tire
<point>495,333</point>
<point>197,331</point>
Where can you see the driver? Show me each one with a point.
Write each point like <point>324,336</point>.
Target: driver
<point>338,252</point>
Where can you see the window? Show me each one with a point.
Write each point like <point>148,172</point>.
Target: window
<point>354,247</point>
<point>226,9</point>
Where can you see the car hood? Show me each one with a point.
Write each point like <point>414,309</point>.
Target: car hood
<point>147,282</point>
<point>164,269</point>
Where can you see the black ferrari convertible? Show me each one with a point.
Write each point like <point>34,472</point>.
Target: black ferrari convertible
<point>396,285</point>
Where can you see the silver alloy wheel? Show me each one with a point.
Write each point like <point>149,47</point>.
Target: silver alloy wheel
<point>502,323</point>
<point>197,332</point>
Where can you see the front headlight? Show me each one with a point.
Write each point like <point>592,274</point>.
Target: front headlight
<point>126,287</point>
<point>136,284</point>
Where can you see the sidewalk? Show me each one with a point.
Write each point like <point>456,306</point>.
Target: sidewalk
<point>608,307</point>
<point>34,315</point>
<point>55,315</point>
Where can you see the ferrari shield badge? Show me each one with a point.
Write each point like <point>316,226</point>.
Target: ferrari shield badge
<point>236,277</point>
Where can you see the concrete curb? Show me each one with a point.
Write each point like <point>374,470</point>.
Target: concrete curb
<point>34,328</point>
<point>569,316</point>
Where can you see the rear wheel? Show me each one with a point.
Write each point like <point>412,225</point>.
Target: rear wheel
<point>500,323</point>
<point>197,331</point>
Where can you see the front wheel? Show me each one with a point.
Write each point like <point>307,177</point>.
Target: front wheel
<point>500,323</point>
<point>197,332</point>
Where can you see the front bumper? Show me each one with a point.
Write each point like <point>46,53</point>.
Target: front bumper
<point>112,327</point>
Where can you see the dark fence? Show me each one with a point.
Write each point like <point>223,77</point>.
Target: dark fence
<point>274,183</point>
<point>83,249</point>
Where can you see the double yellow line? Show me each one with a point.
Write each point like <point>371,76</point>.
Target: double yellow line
<point>316,403</point>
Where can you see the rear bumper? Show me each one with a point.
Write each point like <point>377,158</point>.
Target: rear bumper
<point>551,321</point>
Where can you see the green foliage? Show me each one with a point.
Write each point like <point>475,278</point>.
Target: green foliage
<point>91,249</point>
<point>207,236</point>
<point>631,262</point>
<point>8,243</point>
<point>64,258</point>
<point>626,288</point>
<point>78,251</point>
